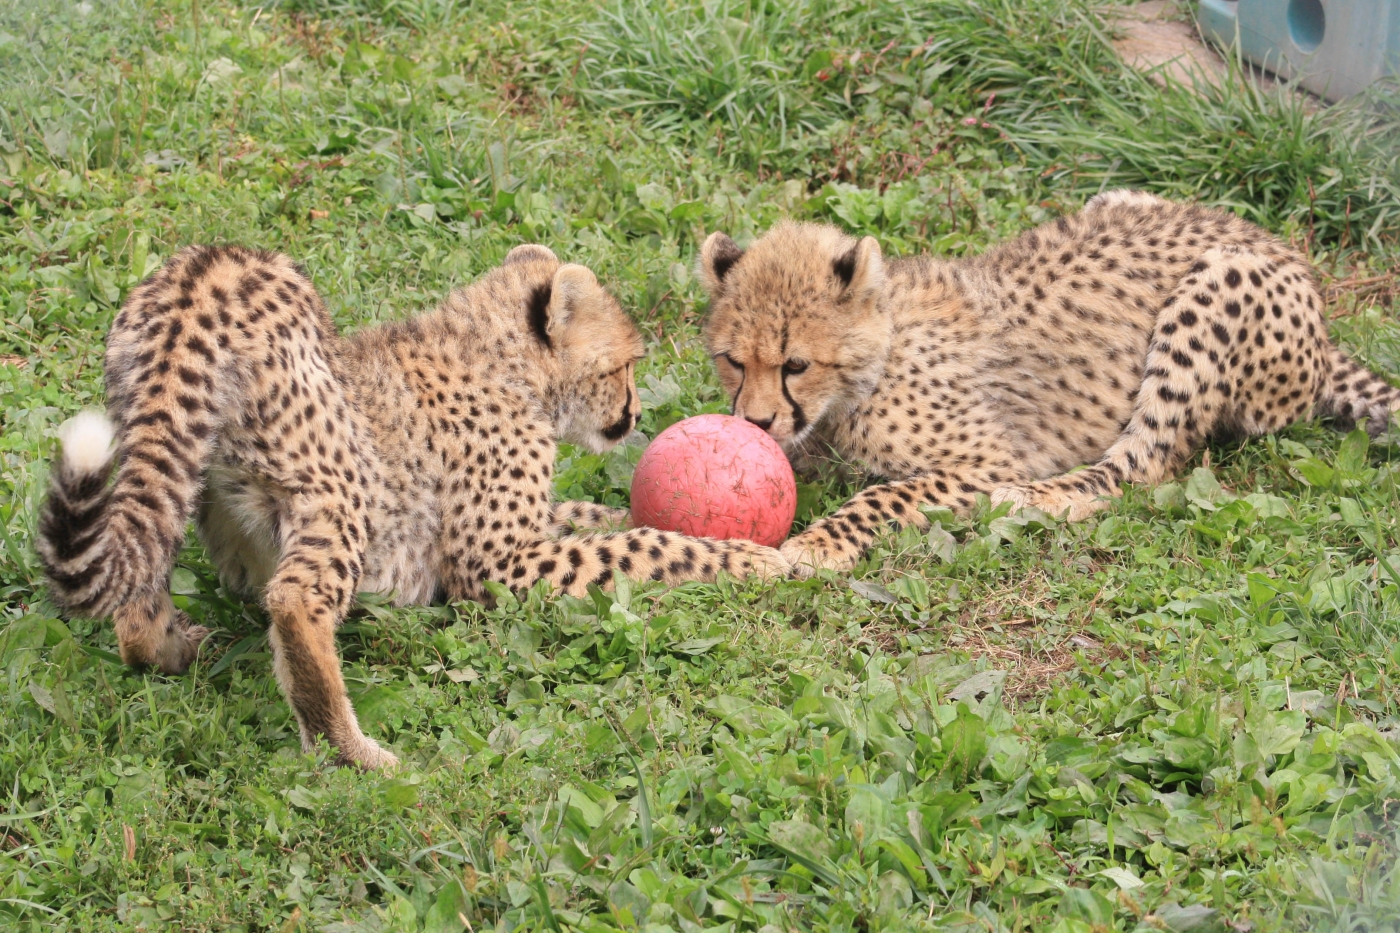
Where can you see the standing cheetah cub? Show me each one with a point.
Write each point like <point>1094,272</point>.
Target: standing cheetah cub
<point>1121,336</point>
<point>413,458</point>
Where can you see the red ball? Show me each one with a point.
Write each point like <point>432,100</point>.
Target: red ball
<point>715,476</point>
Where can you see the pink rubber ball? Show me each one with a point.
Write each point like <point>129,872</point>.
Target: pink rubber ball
<point>715,476</point>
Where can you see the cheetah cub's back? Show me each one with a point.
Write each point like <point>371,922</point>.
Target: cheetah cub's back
<point>1122,337</point>
<point>414,459</point>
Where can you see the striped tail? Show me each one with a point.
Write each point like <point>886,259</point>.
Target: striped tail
<point>1352,392</point>
<point>74,541</point>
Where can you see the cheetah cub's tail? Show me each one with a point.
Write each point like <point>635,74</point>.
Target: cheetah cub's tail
<point>73,545</point>
<point>1352,393</point>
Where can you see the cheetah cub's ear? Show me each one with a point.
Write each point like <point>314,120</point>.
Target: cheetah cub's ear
<point>718,255</point>
<point>530,252</point>
<point>861,270</point>
<point>571,295</point>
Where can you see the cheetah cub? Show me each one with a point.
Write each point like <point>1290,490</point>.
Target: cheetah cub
<point>412,459</point>
<point>1121,337</point>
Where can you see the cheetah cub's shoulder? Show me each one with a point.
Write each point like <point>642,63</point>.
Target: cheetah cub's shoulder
<point>413,459</point>
<point>1121,337</point>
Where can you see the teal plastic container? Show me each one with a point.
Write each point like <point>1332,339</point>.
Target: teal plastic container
<point>1335,48</point>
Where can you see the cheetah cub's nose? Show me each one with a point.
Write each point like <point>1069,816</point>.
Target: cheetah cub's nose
<point>764,423</point>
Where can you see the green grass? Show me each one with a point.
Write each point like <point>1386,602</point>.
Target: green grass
<point>1183,714</point>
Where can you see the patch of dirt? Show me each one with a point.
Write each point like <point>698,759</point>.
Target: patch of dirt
<point>1009,625</point>
<point>1031,671</point>
<point>1160,37</point>
<point>18,362</point>
<point>518,98</point>
<point>1345,296</point>
<point>1154,37</point>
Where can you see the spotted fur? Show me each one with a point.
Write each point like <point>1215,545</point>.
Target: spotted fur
<point>1121,337</point>
<point>412,459</point>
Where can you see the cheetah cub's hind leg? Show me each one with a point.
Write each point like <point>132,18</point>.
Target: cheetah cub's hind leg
<point>1239,346</point>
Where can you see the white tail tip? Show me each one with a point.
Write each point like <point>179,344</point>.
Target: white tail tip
<point>87,441</point>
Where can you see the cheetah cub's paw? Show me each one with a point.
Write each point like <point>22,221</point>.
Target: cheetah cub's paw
<point>813,551</point>
<point>367,755</point>
<point>188,640</point>
<point>179,647</point>
<point>1070,504</point>
<point>766,563</point>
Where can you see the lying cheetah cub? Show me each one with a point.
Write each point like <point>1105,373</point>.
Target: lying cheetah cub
<point>413,458</point>
<point>1121,336</point>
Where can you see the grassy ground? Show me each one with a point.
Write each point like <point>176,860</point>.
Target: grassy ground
<point>1183,714</point>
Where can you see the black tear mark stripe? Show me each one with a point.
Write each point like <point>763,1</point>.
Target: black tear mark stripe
<point>620,428</point>
<point>734,405</point>
<point>799,417</point>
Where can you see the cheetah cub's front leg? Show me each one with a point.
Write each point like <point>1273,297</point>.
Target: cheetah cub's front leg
<point>572,563</point>
<point>1238,346</point>
<point>572,560</point>
<point>587,516</point>
<point>837,541</point>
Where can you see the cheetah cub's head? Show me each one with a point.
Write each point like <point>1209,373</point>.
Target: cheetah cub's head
<point>798,326</point>
<point>594,344</point>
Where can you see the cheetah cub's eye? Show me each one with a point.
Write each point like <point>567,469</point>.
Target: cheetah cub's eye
<point>731,361</point>
<point>793,367</point>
